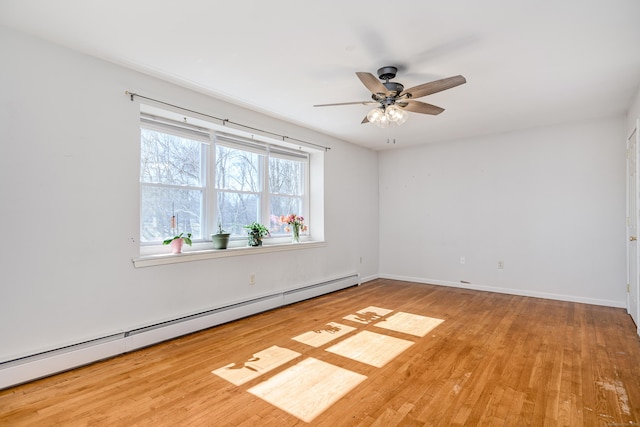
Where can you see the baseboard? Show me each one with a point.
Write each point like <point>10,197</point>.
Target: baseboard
<point>369,278</point>
<point>41,365</point>
<point>47,363</point>
<point>311,291</point>
<point>510,291</point>
<point>144,337</point>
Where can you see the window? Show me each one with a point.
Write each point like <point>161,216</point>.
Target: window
<point>238,178</point>
<point>172,177</point>
<point>286,187</point>
<point>204,177</point>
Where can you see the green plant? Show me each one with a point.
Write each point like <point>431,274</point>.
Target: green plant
<point>220,230</point>
<point>220,240</point>
<point>256,232</point>
<point>257,229</point>
<point>187,239</point>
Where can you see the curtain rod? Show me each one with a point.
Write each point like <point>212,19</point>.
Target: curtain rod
<point>225,121</point>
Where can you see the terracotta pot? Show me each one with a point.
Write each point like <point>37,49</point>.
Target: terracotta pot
<point>176,246</point>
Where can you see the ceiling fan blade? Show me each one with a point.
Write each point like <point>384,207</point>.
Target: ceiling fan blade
<point>434,87</point>
<point>420,107</point>
<point>372,83</point>
<point>347,103</point>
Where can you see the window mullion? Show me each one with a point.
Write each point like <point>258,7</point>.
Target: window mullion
<point>266,197</point>
<point>257,193</point>
<point>172,186</point>
<point>209,203</point>
<point>306,190</point>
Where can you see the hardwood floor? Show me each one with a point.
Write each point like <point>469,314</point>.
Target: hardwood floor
<point>495,359</point>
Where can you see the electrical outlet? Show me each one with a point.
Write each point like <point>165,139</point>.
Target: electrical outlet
<point>500,265</point>
<point>360,260</point>
<point>463,260</point>
<point>252,279</point>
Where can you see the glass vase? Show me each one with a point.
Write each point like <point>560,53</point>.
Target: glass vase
<point>295,233</point>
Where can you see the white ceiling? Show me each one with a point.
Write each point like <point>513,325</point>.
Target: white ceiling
<point>527,63</point>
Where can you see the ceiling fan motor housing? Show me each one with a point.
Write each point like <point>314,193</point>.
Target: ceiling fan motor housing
<point>387,73</point>
<point>394,87</point>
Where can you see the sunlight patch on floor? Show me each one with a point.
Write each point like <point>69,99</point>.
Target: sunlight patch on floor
<point>322,336</point>
<point>307,389</point>
<point>247,368</point>
<point>368,315</point>
<point>370,348</point>
<point>412,324</point>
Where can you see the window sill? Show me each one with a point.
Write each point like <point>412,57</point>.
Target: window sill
<point>197,255</point>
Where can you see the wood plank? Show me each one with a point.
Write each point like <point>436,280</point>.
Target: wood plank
<point>493,359</point>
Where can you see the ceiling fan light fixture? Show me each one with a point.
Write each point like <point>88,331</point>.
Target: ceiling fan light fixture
<point>402,117</point>
<point>374,115</point>
<point>396,115</point>
<point>382,122</point>
<point>392,113</point>
<point>383,116</point>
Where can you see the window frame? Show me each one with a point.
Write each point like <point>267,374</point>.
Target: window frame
<point>304,198</point>
<point>190,134</point>
<point>237,140</point>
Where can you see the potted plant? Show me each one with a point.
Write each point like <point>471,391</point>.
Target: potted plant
<point>256,232</point>
<point>220,239</point>
<point>176,242</point>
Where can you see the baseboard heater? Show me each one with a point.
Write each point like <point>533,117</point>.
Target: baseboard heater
<point>43,364</point>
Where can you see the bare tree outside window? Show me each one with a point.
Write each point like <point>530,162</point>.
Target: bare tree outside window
<point>286,186</point>
<point>237,177</point>
<point>246,184</point>
<point>171,184</point>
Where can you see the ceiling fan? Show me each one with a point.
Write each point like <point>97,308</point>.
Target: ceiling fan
<point>393,101</point>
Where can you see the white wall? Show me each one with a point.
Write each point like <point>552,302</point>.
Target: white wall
<point>69,173</point>
<point>633,114</point>
<point>549,203</point>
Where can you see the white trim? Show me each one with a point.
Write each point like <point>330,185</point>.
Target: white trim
<point>369,278</point>
<point>32,368</point>
<point>510,291</point>
<point>161,259</point>
<point>181,130</point>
